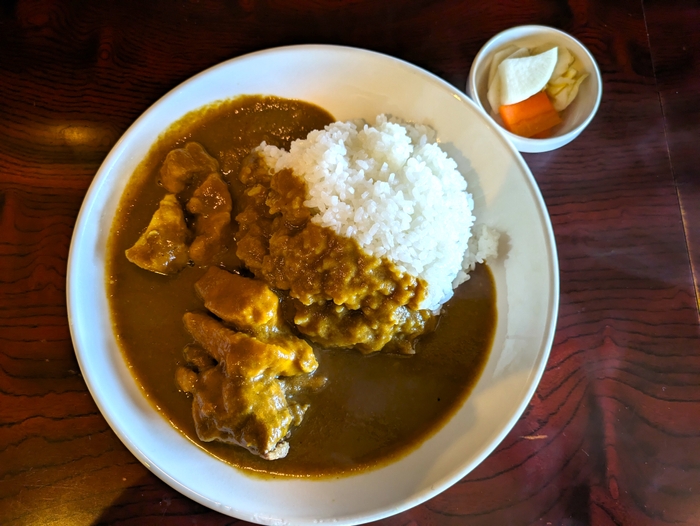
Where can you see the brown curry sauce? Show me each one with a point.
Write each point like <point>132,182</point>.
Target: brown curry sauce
<point>374,408</point>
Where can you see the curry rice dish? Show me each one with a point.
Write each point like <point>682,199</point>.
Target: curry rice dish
<point>256,307</point>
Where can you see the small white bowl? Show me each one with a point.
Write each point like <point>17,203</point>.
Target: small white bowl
<point>575,118</point>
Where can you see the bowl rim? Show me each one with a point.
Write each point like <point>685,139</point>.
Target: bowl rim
<point>417,497</point>
<point>528,142</point>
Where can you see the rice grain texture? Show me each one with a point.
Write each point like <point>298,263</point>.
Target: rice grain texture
<point>392,188</point>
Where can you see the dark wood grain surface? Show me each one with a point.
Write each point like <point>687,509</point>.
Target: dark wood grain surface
<point>612,435</point>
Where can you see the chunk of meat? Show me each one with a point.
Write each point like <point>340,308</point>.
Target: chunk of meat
<point>245,356</point>
<point>162,248</point>
<point>211,205</point>
<point>240,400</point>
<point>182,164</point>
<point>247,303</point>
<point>249,413</point>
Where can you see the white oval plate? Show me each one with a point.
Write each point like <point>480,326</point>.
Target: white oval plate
<point>350,83</point>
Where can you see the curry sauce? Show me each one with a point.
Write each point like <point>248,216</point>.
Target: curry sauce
<point>372,408</point>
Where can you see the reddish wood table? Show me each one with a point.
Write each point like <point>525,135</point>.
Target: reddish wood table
<point>612,435</point>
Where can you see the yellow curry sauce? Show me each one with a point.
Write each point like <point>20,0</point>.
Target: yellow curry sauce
<point>342,297</point>
<point>373,408</point>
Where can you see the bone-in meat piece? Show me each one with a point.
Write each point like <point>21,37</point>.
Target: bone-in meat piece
<point>247,303</point>
<point>162,248</point>
<point>211,205</point>
<point>245,356</point>
<point>240,400</point>
<point>182,164</point>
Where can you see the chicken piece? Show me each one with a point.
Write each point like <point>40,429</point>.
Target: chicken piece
<point>240,400</point>
<point>249,413</point>
<point>211,204</point>
<point>162,248</point>
<point>182,164</point>
<point>247,303</point>
<point>245,356</point>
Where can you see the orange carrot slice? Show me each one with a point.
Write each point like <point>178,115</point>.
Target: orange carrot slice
<point>531,116</point>
<point>542,135</point>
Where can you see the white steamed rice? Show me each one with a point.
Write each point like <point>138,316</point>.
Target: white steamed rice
<point>393,189</point>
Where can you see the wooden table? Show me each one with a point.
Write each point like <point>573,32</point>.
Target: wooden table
<point>612,435</point>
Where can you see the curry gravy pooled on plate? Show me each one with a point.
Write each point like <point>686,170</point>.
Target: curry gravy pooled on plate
<point>287,343</point>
